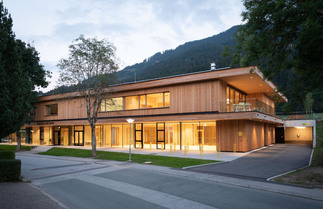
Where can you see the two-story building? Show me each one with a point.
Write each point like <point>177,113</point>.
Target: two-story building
<point>224,109</point>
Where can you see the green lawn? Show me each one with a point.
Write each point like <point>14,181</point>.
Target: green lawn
<point>174,162</point>
<point>14,147</point>
<point>317,159</point>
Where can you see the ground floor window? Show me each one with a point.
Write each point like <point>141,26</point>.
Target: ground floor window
<point>161,135</point>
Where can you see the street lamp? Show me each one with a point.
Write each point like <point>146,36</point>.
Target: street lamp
<point>130,121</point>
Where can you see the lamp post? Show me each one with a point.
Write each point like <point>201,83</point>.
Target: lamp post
<point>130,121</point>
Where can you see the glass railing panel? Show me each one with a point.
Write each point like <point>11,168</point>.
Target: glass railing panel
<point>246,105</point>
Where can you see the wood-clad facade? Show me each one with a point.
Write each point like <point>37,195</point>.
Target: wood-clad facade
<point>228,109</point>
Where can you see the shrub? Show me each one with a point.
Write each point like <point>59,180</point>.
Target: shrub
<point>10,170</point>
<point>6,154</point>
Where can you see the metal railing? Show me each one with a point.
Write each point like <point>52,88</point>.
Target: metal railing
<point>296,115</point>
<point>246,105</point>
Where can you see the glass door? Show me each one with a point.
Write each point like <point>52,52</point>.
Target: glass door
<point>160,136</point>
<point>139,135</point>
<point>79,136</point>
<point>41,135</point>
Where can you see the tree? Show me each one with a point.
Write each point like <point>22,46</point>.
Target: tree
<point>90,67</point>
<point>283,36</point>
<point>309,101</point>
<point>20,72</point>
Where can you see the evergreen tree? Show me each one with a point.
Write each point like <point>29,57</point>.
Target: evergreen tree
<point>20,72</point>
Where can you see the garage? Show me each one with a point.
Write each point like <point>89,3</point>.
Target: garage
<point>300,132</point>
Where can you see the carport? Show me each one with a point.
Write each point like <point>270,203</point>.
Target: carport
<point>300,132</point>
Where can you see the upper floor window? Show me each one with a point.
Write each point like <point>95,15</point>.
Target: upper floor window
<point>112,104</point>
<point>52,109</point>
<point>132,102</point>
<point>156,100</point>
<point>167,99</point>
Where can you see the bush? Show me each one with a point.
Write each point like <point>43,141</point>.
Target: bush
<point>10,170</point>
<point>6,154</point>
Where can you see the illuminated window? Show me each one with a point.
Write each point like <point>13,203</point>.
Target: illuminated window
<point>155,100</point>
<point>142,101</point>
<point>132,102</point>
<point>113,104</point>
<point>167,99</point>
<point>52,109</point>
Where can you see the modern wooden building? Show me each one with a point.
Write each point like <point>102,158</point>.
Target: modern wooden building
<point>223,109</point>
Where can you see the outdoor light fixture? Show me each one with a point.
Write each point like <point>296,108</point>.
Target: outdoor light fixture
<point>130,121</point>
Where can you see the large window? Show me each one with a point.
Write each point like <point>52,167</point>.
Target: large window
<point>234,96</point>
<point>167,99</point>
<point>156,100</point>
<point>113,104</point>
<point>143,101</point>
<point>132,102</point>
<point>52,109</point>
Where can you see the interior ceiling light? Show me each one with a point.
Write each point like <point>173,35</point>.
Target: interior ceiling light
<point>299,127</point>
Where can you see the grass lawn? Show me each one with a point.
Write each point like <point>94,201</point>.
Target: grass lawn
<point>174,162</point>
<point>14,147</point>
<point>313,175</point>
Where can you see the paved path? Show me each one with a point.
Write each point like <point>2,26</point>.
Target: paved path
<point>264,163</point>
<point>88,183</point>
<point>24,195</point>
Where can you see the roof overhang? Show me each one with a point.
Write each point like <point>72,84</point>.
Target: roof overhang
<point>247,79</point>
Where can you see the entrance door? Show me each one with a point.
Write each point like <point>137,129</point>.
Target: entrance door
<point>279,135</point>
<point>139,135</point>
<point>41,135</point>
<point>78,138</point>
<point>57,137</point>
<point>200,133</point>
<point>160,136</point>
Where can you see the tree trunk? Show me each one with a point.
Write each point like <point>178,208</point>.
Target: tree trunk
<point>18,135</point>
<point>93,141</point>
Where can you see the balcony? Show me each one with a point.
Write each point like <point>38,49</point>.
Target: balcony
<point>247,105</point>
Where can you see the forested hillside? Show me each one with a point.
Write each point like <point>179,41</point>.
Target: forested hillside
<point>189,57</point>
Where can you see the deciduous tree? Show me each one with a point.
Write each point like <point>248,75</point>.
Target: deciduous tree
<point>284,36</point>
<point>90,66</point>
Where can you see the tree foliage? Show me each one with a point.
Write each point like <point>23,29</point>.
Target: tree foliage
<point>90,67</point>
<point>20,72</point>
<point>283,36</point>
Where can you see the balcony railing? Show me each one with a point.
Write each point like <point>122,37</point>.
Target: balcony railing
<point>297,116</point>
<point>247,105</point>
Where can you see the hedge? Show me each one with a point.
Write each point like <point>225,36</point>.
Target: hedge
<point>6,154</point>
<point>10,170</point>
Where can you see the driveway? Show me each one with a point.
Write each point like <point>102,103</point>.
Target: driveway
<point>262,164</point>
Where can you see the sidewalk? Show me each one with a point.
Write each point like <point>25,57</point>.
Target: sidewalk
<point>24,195</point>
<point>207,155</point>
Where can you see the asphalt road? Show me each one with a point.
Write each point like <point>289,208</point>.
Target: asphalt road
<point>263,164</point>
<point>87,183</point>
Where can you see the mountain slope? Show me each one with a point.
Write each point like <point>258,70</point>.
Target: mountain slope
<point>189,57</point>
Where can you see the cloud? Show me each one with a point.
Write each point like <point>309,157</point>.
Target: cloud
<point>138,28</point>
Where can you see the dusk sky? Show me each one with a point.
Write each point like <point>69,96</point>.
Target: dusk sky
<point>138,28</point>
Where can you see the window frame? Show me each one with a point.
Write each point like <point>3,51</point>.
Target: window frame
<point>49,109</point>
